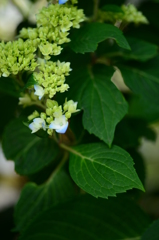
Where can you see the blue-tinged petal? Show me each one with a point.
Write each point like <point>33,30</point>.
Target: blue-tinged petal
<point>62,1</point>
<point>62,129</point>
<point>60,124</point>
<point>53,125</point>
<point>34,127</point>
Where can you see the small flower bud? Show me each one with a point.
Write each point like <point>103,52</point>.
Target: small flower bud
<point>50,131</point>
<point>33,115</point>
<point>68,115</point>
<point>43,115</point>
<point>49,111</point>
<point>51,103</point>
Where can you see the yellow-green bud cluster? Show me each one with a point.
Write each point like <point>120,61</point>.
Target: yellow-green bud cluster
<point>17,56</point>
<point>52,110</point>
<point>53,26</point>
<point>70,107</point>
<point>55,112</point>
<point>51,76</point>
<point>130,14</point>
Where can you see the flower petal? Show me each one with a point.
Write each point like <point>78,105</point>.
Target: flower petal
<point>62,1</point>
<point>34,127</point>
<point>54,125</point>
<point>39,91</point>
<point>38,120</point>
<point>62,129</point>
<point>60,124</point>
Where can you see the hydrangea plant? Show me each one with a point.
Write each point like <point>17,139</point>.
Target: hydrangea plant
<point>76,127</point>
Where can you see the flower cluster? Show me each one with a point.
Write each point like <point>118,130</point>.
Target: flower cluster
<point>128,14</point>
<point>53,26</point>
<point>131,14</point>
<point>51,77</point>
<point>55,118</point>
<point>17,56</point>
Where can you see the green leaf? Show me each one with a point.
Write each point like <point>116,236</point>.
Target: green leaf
<point>91,219</point>
<point>141,109</point>
<point>29,152</point>
<point>103,104</point>
<point>39,198</point>
<point>8,105</point>
<point>143,80</point>
<point>86,38</point>
<point>140,50</point>
<point>101,171</point>
<point>8,86</point>
<point>31,81</point>
<point>130,130</point>
<point>79,133</point>
<point>112,8</point>
<point>152,233</point>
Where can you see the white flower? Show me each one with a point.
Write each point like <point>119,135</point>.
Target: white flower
<point>71,106</point>
<point>59,124</point>
<point>37,124</point>
<point>39,91</point>
<point>62,1</point>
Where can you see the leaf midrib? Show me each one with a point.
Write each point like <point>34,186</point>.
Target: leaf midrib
<point>27,147</point>
<point>84,158</point>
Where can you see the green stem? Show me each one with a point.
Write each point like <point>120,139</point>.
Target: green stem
<point>55,137</point>
<point>68,148</point>
<point>96,6</point>
<point>61,164</point>
<point>71,150</point>
<point>103,61</point>
<point>38,105</point>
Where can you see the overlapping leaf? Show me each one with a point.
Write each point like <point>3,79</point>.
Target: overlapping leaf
<point>140,50</point>
<point>101,171</point>
<point>91,219</point>
<point>152,232</point>
<point>29,152</point>
<point>86,38</point>
<point>39,198</point>
<point>143,80</point>
<point>103,104</point>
